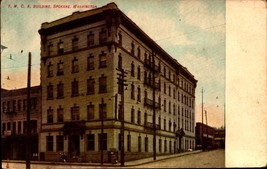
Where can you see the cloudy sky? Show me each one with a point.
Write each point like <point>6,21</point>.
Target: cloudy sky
<point>191,31</point>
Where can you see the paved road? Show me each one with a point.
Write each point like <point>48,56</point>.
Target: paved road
<point>207,159</point>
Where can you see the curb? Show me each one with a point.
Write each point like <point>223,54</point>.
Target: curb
<point>107,164</point>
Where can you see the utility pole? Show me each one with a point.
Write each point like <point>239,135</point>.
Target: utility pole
<point>2,48</point>
<point>207,138</point>
<point>102,128</point>
<point>202,124</point>
<point>154,106</point>
<point>121,83</point>
<point>28,144</point>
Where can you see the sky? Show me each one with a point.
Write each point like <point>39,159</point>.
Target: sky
<point>191,31</point>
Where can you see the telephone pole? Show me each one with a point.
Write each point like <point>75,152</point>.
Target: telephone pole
<point>28,144</point>
<point>202,124</point>
<point>121,83</point>
<point>102,128</point>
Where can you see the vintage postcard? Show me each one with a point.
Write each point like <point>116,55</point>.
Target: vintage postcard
<point>142,84</point>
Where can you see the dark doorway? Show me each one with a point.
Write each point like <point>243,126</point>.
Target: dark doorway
<point>74,146</point>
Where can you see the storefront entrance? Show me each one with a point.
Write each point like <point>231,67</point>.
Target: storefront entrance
<point>74,146</point>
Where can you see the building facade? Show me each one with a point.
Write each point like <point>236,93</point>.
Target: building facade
<point>204,136</point>
<point>14,117</point>
<point>81,57</point>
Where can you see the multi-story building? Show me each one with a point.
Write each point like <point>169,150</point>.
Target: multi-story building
<point>81,56</point>
<point>14,117</point>
<point>204,136</point>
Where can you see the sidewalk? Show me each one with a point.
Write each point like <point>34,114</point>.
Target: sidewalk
<point>126,164</point>
<point>158,158</point>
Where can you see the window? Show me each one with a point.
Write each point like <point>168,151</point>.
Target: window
<point>90,62</point>
<point>164,105</point>
<point>160,145</point>
<point>60,143</point>
<point>14,128</point>
<point>146,144</point>
<point>139,117</point>
<point>119,62</point>
<point>174,97</point>
<point>159,121</point>
<point>60,47</point>
<point>164,72</point>
<point>133,48</point>
<point>159,99</point>
<point>165,145</point>
<point>170,146</point>
<point>102,111</point>
<point>145,118</point>
<point>50,92</point>
<point>49,143</point>
<point>14,105</point>
<point>102,36</point>
<point>90,86</point>
<point>138,73</point>
<point>60,114</point>
<point>102,60</point>
<point>164,87</point>
<point>19,127</point>
<point>138,53</point>
<point>4,107</point>
<point>164,124</point>
<point>75,113</point>
<point>170,111</point>
<point>50,70</point>
<point>74,88</point>
<point>90,142</point>
<point>139,144</point>
<point>129,142</point>
<point>50,49</point>
<point>132,91</point>
<point>139,94</point>
<point>90,39</point>
<point>60,68</point>
<point>132,115</point>
<point>103,84</point>
<point>102,141</point>
<point>9,106</point>
<point>132,69</point>
<point>4,127</point>
<point>34,103</point>
<point>174,111</point>
<point>25,102</point>
<point>119,39</point>
<point>50,113</point>
<point>170,125</point>
<point>90,111</point>
<point>170,91</point>
<point>75,66</point>
<point>75,41</point>
<point>60,90</point>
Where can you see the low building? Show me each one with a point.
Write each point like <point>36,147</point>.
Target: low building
<point>204,136</point>
<point>14,117</point>
<point>219,138</point>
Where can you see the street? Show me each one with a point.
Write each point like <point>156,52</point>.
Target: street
<point>207,159</point>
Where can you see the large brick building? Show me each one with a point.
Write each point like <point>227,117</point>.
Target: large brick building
<point>81,56</point>
<point>14,117</point>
